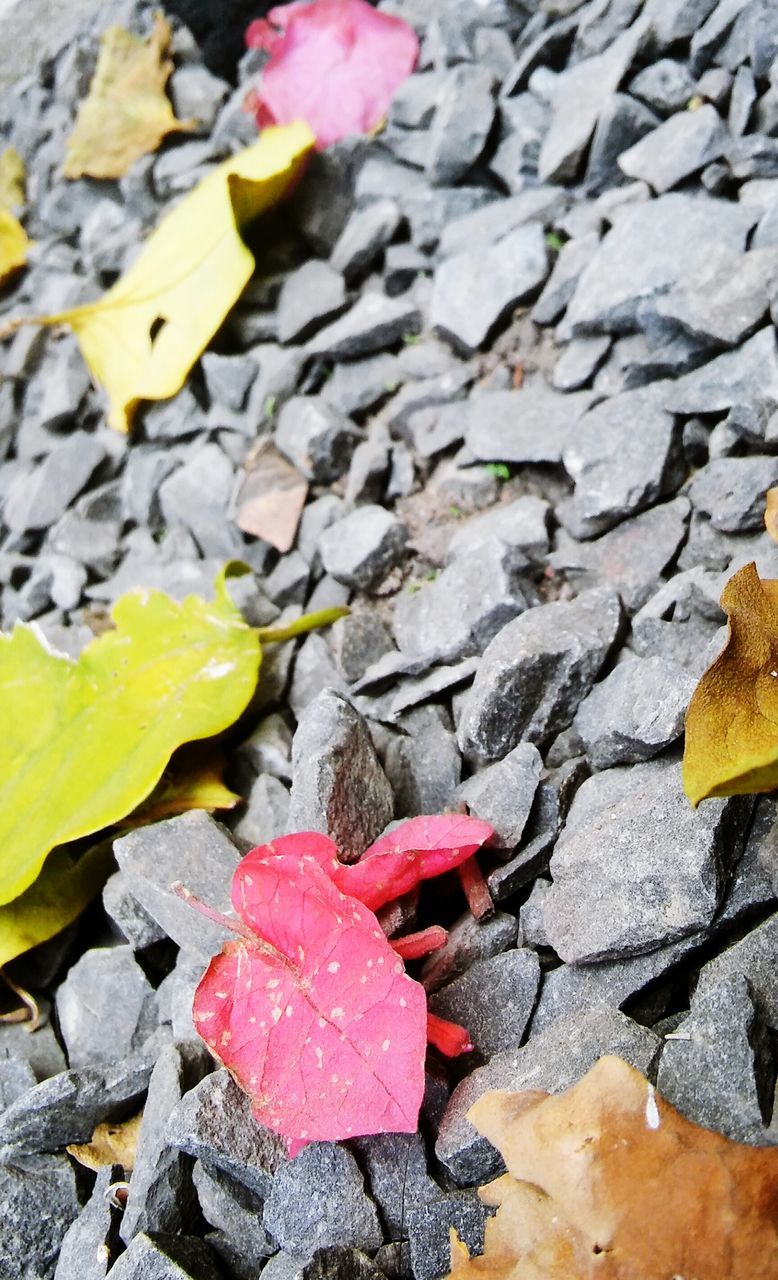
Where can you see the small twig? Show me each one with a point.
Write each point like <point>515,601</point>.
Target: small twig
<point>475,889</point>
<point>29,1013</point>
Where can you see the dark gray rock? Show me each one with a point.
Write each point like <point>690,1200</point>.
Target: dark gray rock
<point>395,1167</point>
<point>40,500</point>
<point>731,491</point>
<point>533,424</point>
<point>707,38</point>
<point>360,549</point>
<point>315,670</point>
<point>311,296</point>
<point>366,233</point>
<point>494,999</point>
<point>625,455</point>
<point>622,123</point>
<point>725,300</point>
<point>414,690</point>
<point>466,605</point>
<point>677,148</point>
<point>552,1061</point>
<point>522,524</point>
<point>228,379</point>
<point>266,814</point>
<point>357,385</point>
<point>16,1077</point>
<point>422,763</point>
<point>536,671</point>
<point>374,323</point>
<point>160,1196</point>
<point>287,584</point>
<point>40,1053</point>
<point>463,120</point>
<point>235,1213</point>
<point>650,247</point>
<point>473,291</point>
<point>750,372</point>
<point>106,1007</point>
<point>337,1263</point>
<point>214,1122</point>
<point>532,930</point>
<point>502,793</point>
<point>429,1231</point>
<point>665,86</point>
<point>580,96</point>
<point>315,438</point>
<point>91,1244</point>
<point>197,496</point>
<point>754,957</point>
<point>357,642</point>
<point>166,1258</point>
<point>718,1067</point>
<point>66,1108</point>
<point>338,785</point>
<point>38,1202</point>
<point>635,712</point>
<point>743,97</point>
<point>192,849</point>
<point>574,256</point>
<point>619,888</point>
<point>631,557</point>
<point>197,95</point>
<point>469,940</point>
<point>318,1200</point>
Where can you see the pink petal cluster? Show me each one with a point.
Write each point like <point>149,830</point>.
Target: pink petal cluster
<point>336,64</point>
<point>310,1007</point>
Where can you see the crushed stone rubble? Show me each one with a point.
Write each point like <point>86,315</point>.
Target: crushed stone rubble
<point>508,372</point>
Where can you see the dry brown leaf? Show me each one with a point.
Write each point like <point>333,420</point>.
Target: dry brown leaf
<point>271,498</point>
<point>111,1144</point>
<point>771,513</point>
<point>732,721</point>
<point>607,1181</point>
<point>126,113</point>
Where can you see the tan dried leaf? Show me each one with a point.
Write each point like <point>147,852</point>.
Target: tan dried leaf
<point>771,513</point>
<point>126,113</point>
<point>607,1181</point>
<point>111,1144</point>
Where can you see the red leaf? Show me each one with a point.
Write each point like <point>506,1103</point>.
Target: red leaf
<point>315,1017</point>
<point>334,63</point>
<point>414,851</point>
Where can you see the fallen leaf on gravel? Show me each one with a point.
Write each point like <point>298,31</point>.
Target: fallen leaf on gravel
<point>771,513</point>
<point>111,1144</point>
<point>127,112</point>
<point>334,63</point>
<point>86,740</point>
<point>607,1181</point>
<point>311,1010</point>
<point>142,337</point>
<point>194,779</point>
<point>68,883</point>
<point>732,720</point>
<point>13,238</point>
<point>271,498</point>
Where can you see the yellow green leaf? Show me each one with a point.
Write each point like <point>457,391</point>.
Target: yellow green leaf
<point>67,883</point>
<point>142,337</point>
<point>11,180</point>
<point>126,113</point>
<point>13,238</point>
<point>193,780</point>
<point>732,720</point>
<point>86,740</point>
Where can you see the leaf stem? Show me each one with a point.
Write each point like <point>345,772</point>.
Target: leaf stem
<point>218,917</point>
<point>414,945</point>
<point>475,889</point>
<point>308,622</point>
<point>448,1037</point>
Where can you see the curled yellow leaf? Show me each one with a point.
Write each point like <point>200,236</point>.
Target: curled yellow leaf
<point>771,513</point>
<point>126,113</point>
<point>732,721</point>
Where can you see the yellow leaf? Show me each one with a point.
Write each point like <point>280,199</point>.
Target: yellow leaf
<point>771,513</point>
<point>142,337</point>
<point>11,180</point>
<point>126,113</point>
<point>67,883</point>
<point>193,780</point>
<point>111,1144</point>
<point>13,238</point>
<point>732,720</point>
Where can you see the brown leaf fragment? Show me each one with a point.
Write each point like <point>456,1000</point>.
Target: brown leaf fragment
<point>111,1144</point>
<point>271,498</point>
<point>607,1181</point>
<point>771,513</point>
<point>126,113</point>
<point>732,721</point>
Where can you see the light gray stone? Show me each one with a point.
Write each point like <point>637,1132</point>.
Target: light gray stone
<point>473,291</point>
<point>374,323</point>
<point>725,300</point>
<point>502,793</point>
<point>315,438</point>
<point>38,1201</point>
<point>750,372</point>
<point>493,999</point>
<point>532,424</point>
<point>463,119</point>
<point>731,491</point>
<point>310,296</point>
<point>318,1200</point>
<point>166,1257</point>
<point>522,524</point>
<point>360,549</point>
<point>677,148</point>
<point>635,712</point>
<point>106,1006</point>
<point>469,941</point>
<point>41,499</point>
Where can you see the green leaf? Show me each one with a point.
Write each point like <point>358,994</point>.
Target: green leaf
<point>64,887</point>
<point>86,740</point>
<point>499,469</point>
